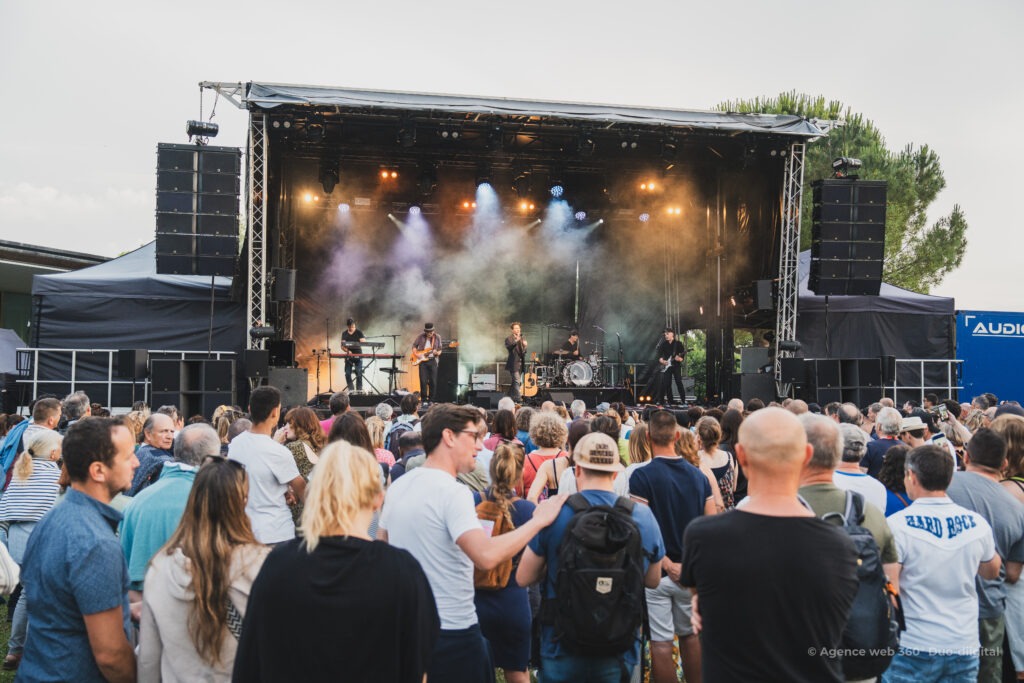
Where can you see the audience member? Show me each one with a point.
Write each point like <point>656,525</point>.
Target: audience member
<point>155,451</point>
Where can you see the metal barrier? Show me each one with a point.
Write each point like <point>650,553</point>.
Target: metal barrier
<point>29,379</point>
<point>917,390</point>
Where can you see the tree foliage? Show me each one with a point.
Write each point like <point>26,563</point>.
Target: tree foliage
<point>917,255</point>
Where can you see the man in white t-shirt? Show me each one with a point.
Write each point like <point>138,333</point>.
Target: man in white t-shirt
<point>848,474</point>
<point>271,469</point>
<point>430,514</point>
<point>941,547</point>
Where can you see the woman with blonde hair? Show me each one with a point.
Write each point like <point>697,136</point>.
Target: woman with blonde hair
<point>335,604</point>
<point>30,495</point>
<point>686,446</point>
<point>378,428</point>
<point>197,586</point>
<point>504,613</point>
<point>548,433</point>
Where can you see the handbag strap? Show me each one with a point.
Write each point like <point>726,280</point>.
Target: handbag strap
<point>234,620</point>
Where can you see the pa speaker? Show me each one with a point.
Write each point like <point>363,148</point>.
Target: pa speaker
<point>218,375</point>
<point>175,264</point>
<point>284,284</point>
<point>847,237</point>
<point>132,363</point>
<point>793,370</point>
<point>282,353</point>
<point>257,363</point>
<point>165,375</point>
<point>293,383</point>
<point>763,295</point>
<point>565,397</point>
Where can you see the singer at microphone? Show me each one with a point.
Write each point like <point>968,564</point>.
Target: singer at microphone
<point>515,343</point>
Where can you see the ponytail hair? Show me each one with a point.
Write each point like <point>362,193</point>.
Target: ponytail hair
<point>506,474</point>
<point>40,446</point>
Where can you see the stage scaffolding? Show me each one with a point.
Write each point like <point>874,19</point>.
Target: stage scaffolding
<point>789,256</point>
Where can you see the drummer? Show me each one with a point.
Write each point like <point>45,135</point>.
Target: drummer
<point>571,347</point>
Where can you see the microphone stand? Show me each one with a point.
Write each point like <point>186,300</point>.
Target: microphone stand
<point>327,349</point>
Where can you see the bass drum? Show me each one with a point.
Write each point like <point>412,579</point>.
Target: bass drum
<point>578,373</point>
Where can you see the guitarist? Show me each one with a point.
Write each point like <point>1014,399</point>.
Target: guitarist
<point>516,345</point>
<point>671,354</point>
<point>428,347</point>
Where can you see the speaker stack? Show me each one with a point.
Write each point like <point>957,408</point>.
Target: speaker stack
<point>196,387</point>
<point>197,191</point>
<point>847,237</point>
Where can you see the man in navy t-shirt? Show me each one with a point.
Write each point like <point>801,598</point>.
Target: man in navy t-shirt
<point>677,493</point>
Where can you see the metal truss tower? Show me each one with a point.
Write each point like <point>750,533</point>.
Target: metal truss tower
<point>789,257</point>
<point>256,295</point>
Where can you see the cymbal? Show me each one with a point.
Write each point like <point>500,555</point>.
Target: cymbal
<point>561,352</point>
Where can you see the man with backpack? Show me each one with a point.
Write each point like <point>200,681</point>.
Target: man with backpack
<point>774,584</point>
<point>677,493</point>
<point>406,422</point>
<point>593,563</point>
<point>872,614</point>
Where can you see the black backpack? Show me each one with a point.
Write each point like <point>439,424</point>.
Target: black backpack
<point>876,616</point>
<point>599,587</point>
<point>395,433</point>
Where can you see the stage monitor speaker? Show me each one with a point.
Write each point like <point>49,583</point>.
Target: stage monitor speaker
<point>165,375</point>
<point>793,370</point>
<point>256,362</point>
<point>284,284</point>
<point>565,397</point>
<point>282,353</point>
<point>293,383</point>
<point>133,363</point>
<point>485,399</point>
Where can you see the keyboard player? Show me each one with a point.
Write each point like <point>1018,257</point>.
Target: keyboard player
<point>351,339</point>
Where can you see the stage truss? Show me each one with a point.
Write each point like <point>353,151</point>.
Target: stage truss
<point>789,256</point>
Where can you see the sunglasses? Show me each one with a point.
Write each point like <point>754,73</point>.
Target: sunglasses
<point>220,460</point>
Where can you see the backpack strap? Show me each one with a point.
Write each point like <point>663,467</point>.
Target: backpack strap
<point>624,504</point>
<point>854,514</point>
<point>578,502</point>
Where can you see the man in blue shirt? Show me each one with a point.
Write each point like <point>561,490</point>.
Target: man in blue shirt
<point>74,570</point>
<point>597,463</point>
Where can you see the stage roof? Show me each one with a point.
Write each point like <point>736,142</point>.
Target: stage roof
<point>271,95</point>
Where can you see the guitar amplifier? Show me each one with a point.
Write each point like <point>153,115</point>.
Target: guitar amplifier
<point>483,381</point>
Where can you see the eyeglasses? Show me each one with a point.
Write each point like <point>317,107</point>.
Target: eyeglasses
<point>220,460</point>
<point>476,433</point>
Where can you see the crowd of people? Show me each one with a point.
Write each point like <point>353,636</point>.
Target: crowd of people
<point>727,543</point>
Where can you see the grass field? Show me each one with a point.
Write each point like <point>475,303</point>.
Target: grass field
<point>5,633</point>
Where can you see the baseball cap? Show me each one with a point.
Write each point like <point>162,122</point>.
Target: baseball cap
<point>597,451</point>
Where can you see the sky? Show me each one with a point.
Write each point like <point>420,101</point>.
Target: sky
<point>89,89</point>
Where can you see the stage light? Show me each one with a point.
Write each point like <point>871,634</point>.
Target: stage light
<point>843,165</point>
<point>344,208</point>
<point>648,186</point>
<point>388,174</point>
<point>526,206</point>
<point>732,301</point>
<point>701,309</point>
<point>585,144</point>
<point>468,204</point>
<point>581,215</point>
<point>668,149</point>
<point>308,197</point>
<point>557,190</point>
<point>414,211</point>
<point>644,217</point>
<point>790,345</point>
<point>328,174</point>
<point>631,142</point>
<point>449,132</point>
<point>281,124</point>
<point>262,332</point>
<point>201,129</point>
<point>674,211</point>
<point>521,183</point>
<point>483,174</point>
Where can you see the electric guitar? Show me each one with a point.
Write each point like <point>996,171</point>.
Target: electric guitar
<point>425,355</point>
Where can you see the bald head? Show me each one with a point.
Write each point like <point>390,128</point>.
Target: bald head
<point>824,436</point>
<point>797,407</point>
<point>773,439</point>
<point>158,431</point>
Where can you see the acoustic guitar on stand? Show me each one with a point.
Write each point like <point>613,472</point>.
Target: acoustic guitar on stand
<point>423,356</point>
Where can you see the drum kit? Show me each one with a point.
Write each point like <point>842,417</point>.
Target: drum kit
<point>565,371</point>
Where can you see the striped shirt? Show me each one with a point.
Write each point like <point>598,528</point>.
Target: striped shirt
<point>27,500</point>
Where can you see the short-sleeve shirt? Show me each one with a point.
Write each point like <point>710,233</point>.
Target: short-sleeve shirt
<point>826,498</point>
<point>1006,517</point>
<point>546,544</point>
<point>353,337</point>
<point>869,487</point>
<point>270,467</point>
<point>676,492</point>
<point>73,567</point>
<point>940,546</point>
<point>425,512</point>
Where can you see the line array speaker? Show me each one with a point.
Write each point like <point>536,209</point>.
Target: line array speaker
<point>197,192</point>
<point>847,237</point>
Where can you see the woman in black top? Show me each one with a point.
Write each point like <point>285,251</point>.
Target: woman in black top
<point>335,604</point>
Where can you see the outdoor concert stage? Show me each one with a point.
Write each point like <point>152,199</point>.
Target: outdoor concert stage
<point>398,209</point>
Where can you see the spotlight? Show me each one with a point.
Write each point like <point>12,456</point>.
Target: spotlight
<point>648,186</point>
<point>521,183</point>
<point>468,204</point>
<point>388,174</point>
<point>344,208</point>
<point>581,215</point>
<point>328,175</point>
<point>308,197</point>
<point>526,206</point>
<point>414,211</point>
<point>644,217</point>
<point>407,135</point>
<point>557,190</point>
<point>700,309</point>
<point>483,174</point>
<point>262,332</point>
<point>843,165</point>
<point>790,345</point>
<point>201,129</point>
<point>631,142</point>
<point>674,211</point>
<point>449,132</point>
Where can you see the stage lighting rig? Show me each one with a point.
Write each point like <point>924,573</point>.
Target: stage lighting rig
<point>521,183</point>
<point>202,131</point>
<point>842,166</point>
<point>262,332</point>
